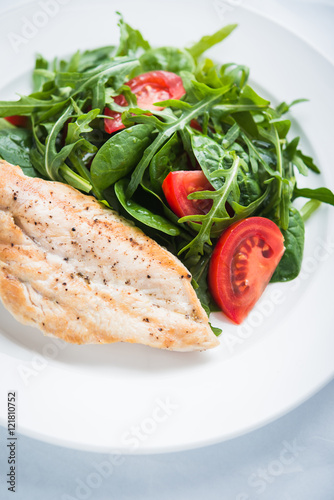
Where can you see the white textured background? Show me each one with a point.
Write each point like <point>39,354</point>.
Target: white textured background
<point>257,466</point>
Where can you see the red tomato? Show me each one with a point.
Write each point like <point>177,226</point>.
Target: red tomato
<point>149,88</point>
<point>194,124</point>
<point>178,185</point>
<point>18,121</point>
<point>242,263</point>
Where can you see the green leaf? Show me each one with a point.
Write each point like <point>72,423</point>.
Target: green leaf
<point>323,194</point>
<point>169,158</point>
<point>282,127</point>
<point>218,211</point>
<point>131,40</point>
<point>206,42</point>
<point>38,79</point>
<point>207,72</point>
<point>167,59</point>
<point>207,99</point>
<point>199,273</point>
<point>119,68</point>
<point>142,214</point>
<point>246,121</point>
<point>27,105</point>
<point>5,124</point>
<point>92,58</point>
<point>290,264</point>
<point>231,136</point>
<point>15,147</point>
<point>53,159</point>
<point>249,96</point>
<point>120,154</point>
<point>74,179</point>
<point>308,209</point>
<point>210,156</point>
<point>307,160</point>
<point>283,108</point>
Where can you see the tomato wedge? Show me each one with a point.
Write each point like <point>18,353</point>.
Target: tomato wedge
<point>149,88</point>
<point>178,185</point>
<point>18,121</point>
<point>242,263</point>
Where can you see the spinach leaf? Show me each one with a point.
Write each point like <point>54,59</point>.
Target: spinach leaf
<point>210,156</point>
<point>15,144</point>
<point>169,158</point>
<point>206,42</point>
<point>120,154</point>
<point>167,59</point>
<point>290,264</point>
<point>142,214</point>
<point>199,274</point>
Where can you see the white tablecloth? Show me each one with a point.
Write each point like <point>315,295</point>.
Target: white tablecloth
<point>289,459</point>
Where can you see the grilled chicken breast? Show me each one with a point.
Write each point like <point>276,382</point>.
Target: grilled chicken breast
<point>80,272</point>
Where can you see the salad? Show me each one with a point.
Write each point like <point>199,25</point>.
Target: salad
<point>184,148</point>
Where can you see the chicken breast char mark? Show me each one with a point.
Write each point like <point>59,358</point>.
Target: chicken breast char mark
<point>80,272</point>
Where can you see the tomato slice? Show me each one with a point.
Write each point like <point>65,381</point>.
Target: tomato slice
<point>178,185</point>
<point>149,88</point>
<point>18,121</point>
<point>242,263</point>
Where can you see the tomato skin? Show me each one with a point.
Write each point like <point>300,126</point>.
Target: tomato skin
<point>178,185</point>
<point>17,120</point>
<point>111,126</point>
<point>195,125</point>
<point>149,88</point>
<point>242,264</point>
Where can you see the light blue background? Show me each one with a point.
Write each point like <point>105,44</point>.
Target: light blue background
<point>219,472</point>
<point>227,471</point>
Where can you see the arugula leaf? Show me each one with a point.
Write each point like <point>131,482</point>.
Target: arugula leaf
<point>302,162</point>
<point>120,154</point>
<point>27,105</point>
<point>37,78</point>
<point>53,159</point>
<point>131,40</point>
<point>167,59</point>
<point>141,213</point>
<point>119,68</point>
<point>324,195</point>
<point>92,58</point>
<point>218,211</point>
<point>206,42</point>
<point>81,146</point>
<point>290,264</point>
<point>207,98</point>
<point>283,108</point>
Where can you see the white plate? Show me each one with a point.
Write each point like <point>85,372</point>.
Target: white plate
<point>136,399</point>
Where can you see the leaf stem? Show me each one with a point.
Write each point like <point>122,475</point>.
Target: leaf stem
<point>308,209</point>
